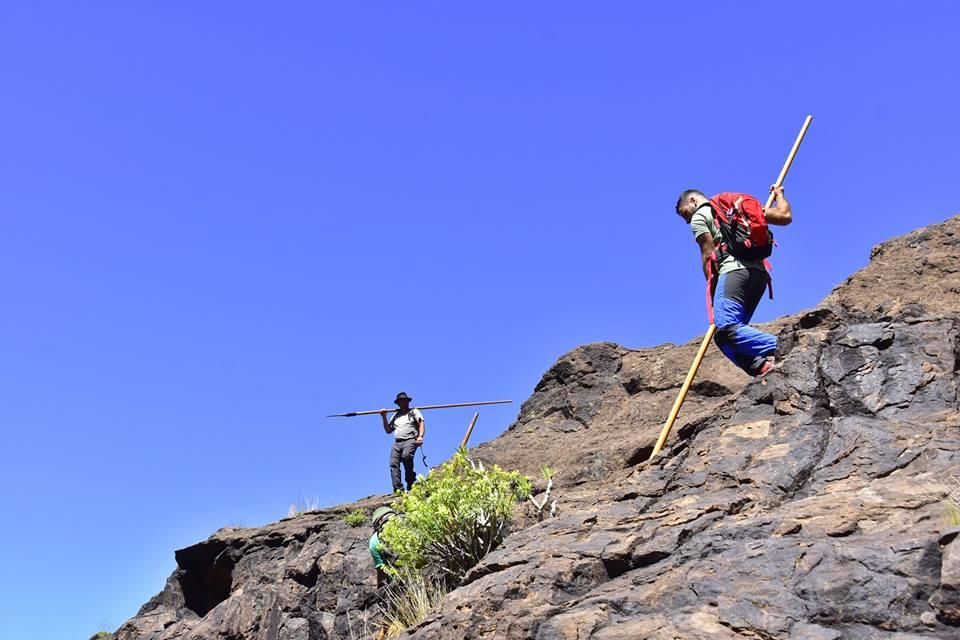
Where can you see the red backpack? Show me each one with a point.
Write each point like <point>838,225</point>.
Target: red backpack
<point>742,225</point>
<point>744,234</point>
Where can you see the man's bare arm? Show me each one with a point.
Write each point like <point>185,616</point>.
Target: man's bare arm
<point>386,425</point>
<point>706,251</point>
<point>781,214</point>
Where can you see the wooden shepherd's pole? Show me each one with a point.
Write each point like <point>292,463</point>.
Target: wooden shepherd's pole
<point>665,432</point>
<point>683,391</point>
<point>466,437</point>
<point>793,154</point>
<point>431,406</point>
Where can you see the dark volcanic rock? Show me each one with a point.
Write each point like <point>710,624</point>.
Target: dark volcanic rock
<point>814,505</point>
<point>915,274</point>
<point>299,579</point>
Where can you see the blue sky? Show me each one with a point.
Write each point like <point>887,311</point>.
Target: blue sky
<point>220,222</point>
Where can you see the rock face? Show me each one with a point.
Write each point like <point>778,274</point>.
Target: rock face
<point>297,579</point>
<point>814,505</point>
<point>916,273</point>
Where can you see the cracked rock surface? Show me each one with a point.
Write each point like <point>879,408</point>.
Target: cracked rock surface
<point>816,505</point>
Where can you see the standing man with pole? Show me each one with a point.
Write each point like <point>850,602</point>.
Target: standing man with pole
<point>408,429</point>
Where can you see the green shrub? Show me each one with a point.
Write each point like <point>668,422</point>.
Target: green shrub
<point>101,635</point>
<point>454,516</point>
<point>355,518</point>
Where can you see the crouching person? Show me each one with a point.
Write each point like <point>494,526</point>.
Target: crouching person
<point>382,557</point>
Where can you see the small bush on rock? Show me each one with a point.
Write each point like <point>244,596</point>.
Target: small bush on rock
<point>355,518</point>
<point>454,516</point>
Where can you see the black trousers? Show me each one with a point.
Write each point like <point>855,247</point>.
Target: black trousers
<point>403,452</point>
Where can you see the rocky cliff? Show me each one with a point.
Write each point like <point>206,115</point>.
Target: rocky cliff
<point>814,505</point>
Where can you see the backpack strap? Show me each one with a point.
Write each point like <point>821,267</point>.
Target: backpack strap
<point>713,264</point>
<point>722,251</point>
<point>710,284</point>
<point>769,269</point>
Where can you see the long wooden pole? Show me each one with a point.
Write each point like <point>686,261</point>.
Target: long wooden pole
<point>675,410</point>
<point>786,165</point>
<point>432,406</point>
<point>683,390</point>
<point>466,437</point>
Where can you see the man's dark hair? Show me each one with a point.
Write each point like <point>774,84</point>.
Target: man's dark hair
<point>686,194</point>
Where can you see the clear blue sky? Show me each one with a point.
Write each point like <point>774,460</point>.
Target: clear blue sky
<point>220,222</point>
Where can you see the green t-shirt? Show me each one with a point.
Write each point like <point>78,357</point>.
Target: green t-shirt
<point>376,551</point>
<point>701,223</point>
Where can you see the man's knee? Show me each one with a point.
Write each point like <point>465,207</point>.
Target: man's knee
<point>726,335</point>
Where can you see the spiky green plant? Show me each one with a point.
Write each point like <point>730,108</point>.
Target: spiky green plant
<point>355,518</point>
<point>454,516</point>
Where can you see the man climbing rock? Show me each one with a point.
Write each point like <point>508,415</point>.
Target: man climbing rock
<point>378,552</point>
<point>408,429</point>
<point>731,229</point>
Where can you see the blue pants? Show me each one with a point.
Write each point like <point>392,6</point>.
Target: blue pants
<point>735,298</point>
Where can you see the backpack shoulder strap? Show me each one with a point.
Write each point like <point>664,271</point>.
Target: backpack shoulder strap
<point>711,214</point>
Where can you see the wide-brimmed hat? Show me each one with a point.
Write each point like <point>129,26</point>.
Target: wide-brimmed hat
<point>380,514</point>
<point>402,396</point>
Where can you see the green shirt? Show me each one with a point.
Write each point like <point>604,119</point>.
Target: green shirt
<point>376,551</point>
<point>701,223</point>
